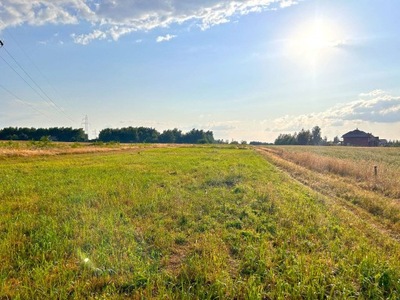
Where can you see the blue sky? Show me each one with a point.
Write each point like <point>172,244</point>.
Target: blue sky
<point>247,70</point>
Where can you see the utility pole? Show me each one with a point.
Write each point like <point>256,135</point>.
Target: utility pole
<point>95,134</point>
<point>85,122</point>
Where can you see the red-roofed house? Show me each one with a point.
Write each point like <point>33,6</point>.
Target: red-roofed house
<point>360,138</point>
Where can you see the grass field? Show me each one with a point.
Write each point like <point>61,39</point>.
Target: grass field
<point>188,222</point>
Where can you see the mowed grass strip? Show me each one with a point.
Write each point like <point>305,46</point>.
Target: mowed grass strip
<point>199,222</point>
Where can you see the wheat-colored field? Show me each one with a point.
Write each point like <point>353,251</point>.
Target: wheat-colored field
<point>355,163</point>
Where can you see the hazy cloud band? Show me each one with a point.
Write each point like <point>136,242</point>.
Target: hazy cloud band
<point>374,107</point>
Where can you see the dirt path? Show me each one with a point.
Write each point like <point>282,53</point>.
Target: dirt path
<point>374,210</point>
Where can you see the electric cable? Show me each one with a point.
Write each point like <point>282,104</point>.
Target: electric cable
<point>57,93</point>
<point>49,101</point>
<point>24,102</point>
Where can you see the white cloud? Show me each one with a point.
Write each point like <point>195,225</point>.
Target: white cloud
<point>373,93</point>
<point>165,38</point>
<point>115,18</point>
<point>37,13</point>
<point>287,3</point>
<point>86,39</point>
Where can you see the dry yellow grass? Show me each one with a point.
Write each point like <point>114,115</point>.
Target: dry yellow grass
<point>360,171</point>
<point>349,187</point>
<point>56,151</point>
<point>26,149</point>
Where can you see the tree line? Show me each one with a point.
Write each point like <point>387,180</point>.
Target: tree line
<point>62,134</point>
<point>304,137</point>
<point>151,135</point>
<point>120,135</point>
<point>393,143</point>
<point>313,137</point>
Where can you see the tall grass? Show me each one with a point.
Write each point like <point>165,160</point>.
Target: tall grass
<point>359,164</point>
<point>352,192</point>
<point>181,223</point>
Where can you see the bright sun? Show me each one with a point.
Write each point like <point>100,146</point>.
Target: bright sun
<point>314,39</point>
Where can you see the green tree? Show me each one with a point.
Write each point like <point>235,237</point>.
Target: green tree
<point>336,140</point>
<point>286,139</point>
<point>196,136</point>
<point>316,138</point>
<point>304,137</point>
<point>62,134</point>
<point>170,136</point>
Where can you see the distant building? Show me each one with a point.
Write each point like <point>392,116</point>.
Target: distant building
<point>383,142</point>
<point>360,138</point>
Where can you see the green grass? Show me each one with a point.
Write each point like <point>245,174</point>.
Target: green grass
<point>198,222</point>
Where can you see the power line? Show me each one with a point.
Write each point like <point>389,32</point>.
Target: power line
<point>8,91</point>
<point>50,101</point>
<point>85,122</point>
<point>32,62</point>
<point>24,102</point>
<point>11,93</point>
<point>16,72</point>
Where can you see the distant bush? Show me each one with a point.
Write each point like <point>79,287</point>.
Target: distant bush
<point>44,142</point>
<point>256,143</point>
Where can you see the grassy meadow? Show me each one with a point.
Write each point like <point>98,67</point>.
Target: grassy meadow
<point>201,222</point>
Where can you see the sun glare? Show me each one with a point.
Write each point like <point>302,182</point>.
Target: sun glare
<point>314,39</point>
